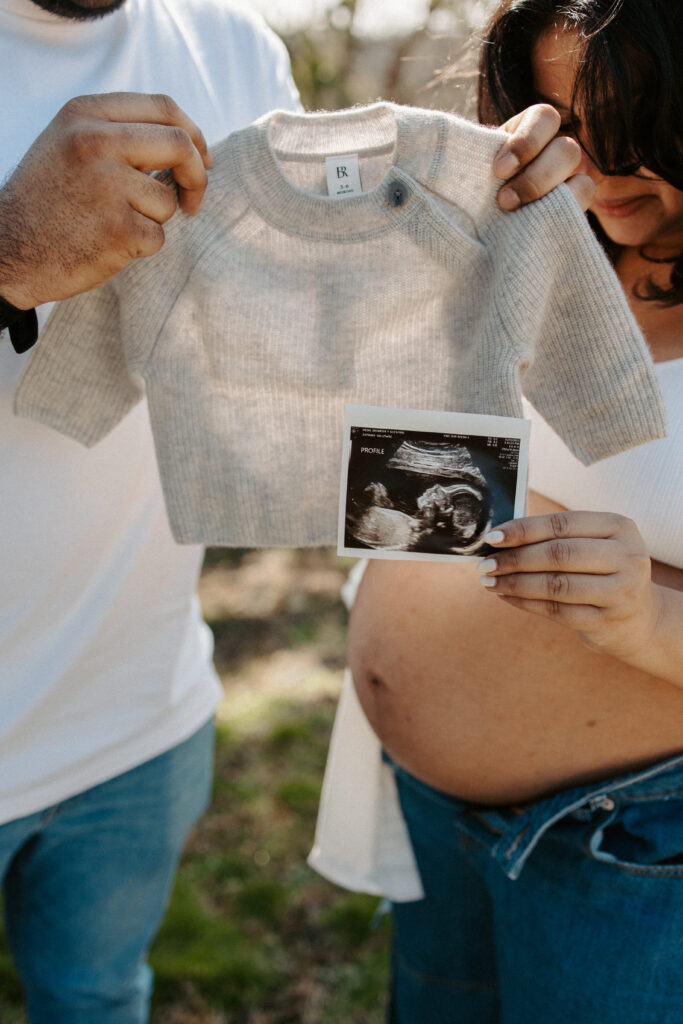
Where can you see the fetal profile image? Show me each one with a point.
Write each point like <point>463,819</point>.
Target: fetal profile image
<point>429,494</point>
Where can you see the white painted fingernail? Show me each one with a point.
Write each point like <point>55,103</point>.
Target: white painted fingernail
<point>488,565</point>
<point>494,537</point>
<point>488,581</point>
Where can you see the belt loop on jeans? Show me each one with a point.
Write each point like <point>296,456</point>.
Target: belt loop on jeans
<point>524,832</point>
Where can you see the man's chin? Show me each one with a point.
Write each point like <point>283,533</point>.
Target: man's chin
<point>80,10</point>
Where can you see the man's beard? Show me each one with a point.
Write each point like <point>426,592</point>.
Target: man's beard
<point>80,10</point>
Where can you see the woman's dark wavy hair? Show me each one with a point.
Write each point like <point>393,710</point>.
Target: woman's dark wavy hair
<point>629,86</point>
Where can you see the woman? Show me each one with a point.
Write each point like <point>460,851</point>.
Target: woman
<point>535,723</point>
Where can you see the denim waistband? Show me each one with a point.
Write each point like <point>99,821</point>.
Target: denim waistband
<point>511,834</point>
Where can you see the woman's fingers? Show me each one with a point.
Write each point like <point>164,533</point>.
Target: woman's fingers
<point>583,188</point>
<point>589,571</point>
<point>585,619</point>
<point>595,559</point>
<point>535,159</point>
<point>530,132</point>
<point>536,529</point>
<point>553,166</point>
<point>597,591</point>
<point>573,555</point>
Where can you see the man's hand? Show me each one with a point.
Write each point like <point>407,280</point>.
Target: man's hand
<point>81,205</point>
<point>535,159</point>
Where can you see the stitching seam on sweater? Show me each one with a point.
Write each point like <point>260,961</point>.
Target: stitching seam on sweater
<point>217,239</point>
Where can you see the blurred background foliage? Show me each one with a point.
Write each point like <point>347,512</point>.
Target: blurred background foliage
<point>337,65</point>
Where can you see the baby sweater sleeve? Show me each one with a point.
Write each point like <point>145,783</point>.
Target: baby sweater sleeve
<point>583,362</point>
<point>87,370</point>
<point>77,380</point>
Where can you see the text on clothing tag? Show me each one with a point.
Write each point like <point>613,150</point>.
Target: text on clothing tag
<point>343,175</point>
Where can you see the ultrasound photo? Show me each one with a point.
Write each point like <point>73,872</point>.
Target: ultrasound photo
<point>430,494</point>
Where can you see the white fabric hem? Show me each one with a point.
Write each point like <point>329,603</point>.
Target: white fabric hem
<point>114,762</point>
<point>361,839</point>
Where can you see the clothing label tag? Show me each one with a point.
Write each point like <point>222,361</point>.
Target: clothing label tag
<point>343,175</point>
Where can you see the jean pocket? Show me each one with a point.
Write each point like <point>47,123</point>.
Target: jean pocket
<point>642,835</point>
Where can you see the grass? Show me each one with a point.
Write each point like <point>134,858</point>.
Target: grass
<point>252,934</point>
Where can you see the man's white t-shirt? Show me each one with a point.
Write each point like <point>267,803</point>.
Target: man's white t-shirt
<point>104,659</point>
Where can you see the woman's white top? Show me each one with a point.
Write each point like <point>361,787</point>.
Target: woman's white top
<point>644,483</point>
<point>361,839</point>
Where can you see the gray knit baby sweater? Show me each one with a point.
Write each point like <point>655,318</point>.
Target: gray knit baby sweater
<point>263,315</point>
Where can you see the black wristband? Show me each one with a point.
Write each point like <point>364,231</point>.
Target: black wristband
<point>21,323</point>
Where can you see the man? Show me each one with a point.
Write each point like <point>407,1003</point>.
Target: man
<point>106,685</point>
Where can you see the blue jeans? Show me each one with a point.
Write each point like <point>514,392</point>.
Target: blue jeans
<point>566,911</point>
<point>87,881</point>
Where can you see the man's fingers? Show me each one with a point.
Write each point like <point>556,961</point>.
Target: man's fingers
<point>107,210</point>
<point>140,108</point>
<point>189,195</point>
<point>151,198</point>
<point>530,132</point>
<point>153,147</point>
<point>171,148</point>
<point>144,237</point>
<point>150,133</point>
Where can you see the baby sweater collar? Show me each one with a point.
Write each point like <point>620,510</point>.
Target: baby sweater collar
<point>415,143</point>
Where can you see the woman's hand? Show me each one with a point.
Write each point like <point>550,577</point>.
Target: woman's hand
<point>536,158</point>
<point>589,571</point>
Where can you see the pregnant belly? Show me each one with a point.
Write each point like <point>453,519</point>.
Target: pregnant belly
<point>490,703</point>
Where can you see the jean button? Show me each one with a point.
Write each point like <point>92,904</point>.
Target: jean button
<point>397,193</point>
<point>605,803</point>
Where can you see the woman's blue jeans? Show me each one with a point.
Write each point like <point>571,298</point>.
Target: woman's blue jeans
<point>86,884</point>
<point>565,911</point>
